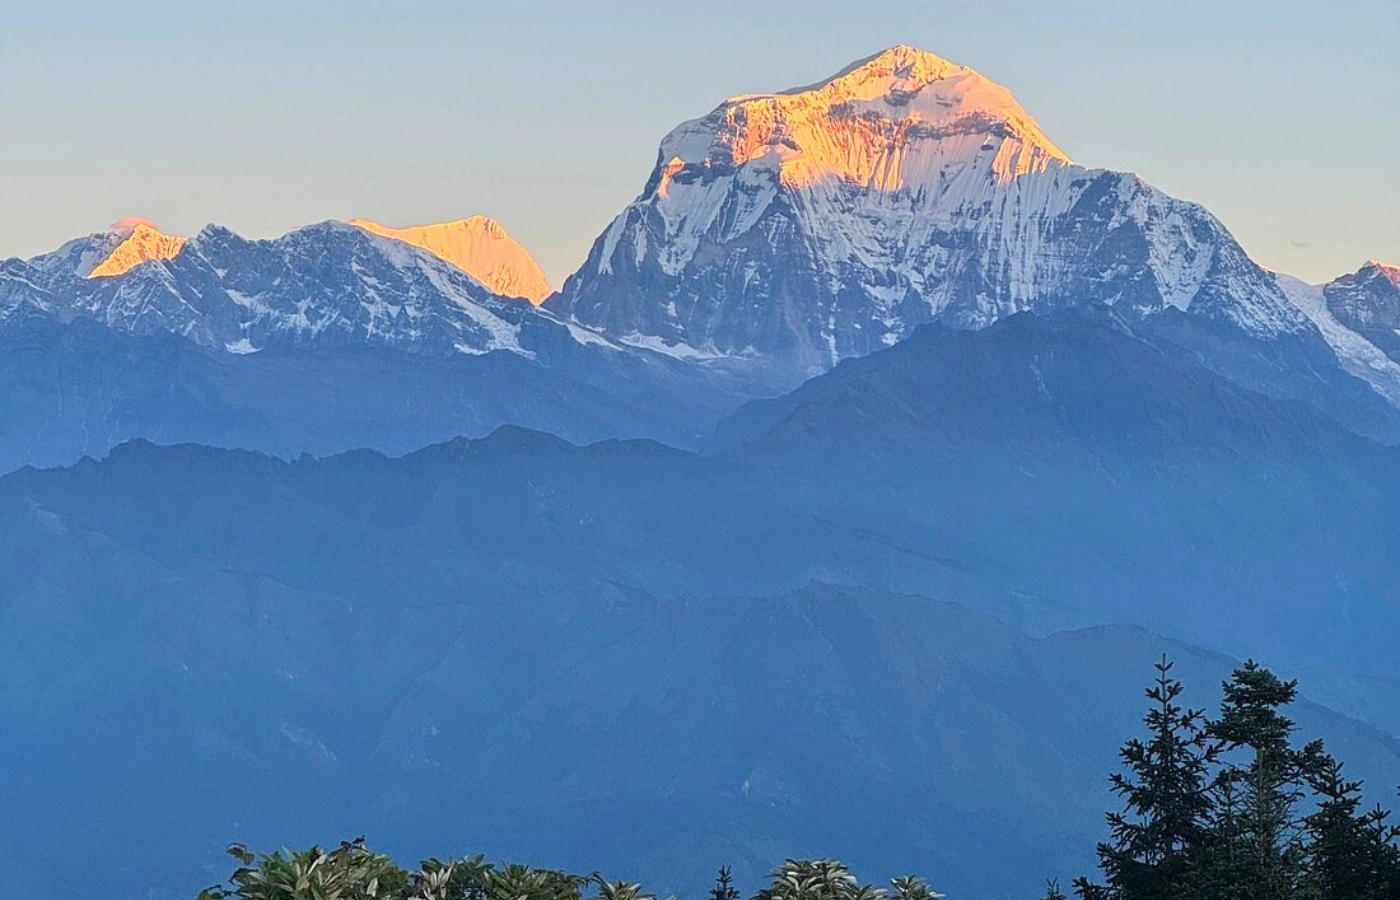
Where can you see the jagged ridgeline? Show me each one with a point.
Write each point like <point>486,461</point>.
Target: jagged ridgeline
<point>776,236</point>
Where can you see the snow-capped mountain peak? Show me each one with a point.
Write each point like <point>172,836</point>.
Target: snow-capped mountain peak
<point>1359,315</point>
<point>902,67</point>
<point>139,240</point>
<point>902,96</point>
<point>479,246</point>
<point>1351,315</point>
<point>828,221</point>
<point>901,119</point>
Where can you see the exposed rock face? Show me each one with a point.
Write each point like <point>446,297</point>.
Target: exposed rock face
<point>1359,316</point>
<point>1368,302</point>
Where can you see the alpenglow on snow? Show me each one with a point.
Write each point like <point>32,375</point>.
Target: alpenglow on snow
<point>828,221</point>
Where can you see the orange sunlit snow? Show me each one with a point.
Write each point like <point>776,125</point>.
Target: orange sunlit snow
<point>480,247</point>
<point>145,242</point>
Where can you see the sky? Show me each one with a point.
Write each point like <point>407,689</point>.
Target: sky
<point>1282,117</point>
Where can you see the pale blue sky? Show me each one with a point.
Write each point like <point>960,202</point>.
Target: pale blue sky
<point>1283,117</point>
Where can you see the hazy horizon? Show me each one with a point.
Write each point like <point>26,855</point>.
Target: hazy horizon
<point>547,118</point>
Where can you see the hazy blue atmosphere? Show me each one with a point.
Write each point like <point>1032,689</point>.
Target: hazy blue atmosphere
<point>266,116</point>
<point>837,502</point>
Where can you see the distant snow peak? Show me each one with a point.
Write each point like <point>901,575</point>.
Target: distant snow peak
<point>479,246</point>
<point>141,241</point>
<point>1342,317</point>
<point>1388,271</point>
<point>1379,279</point>
<point>330,284</point>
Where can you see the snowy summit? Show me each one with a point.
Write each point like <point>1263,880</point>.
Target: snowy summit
<point>140,240</point>
<point>479,246</point>
<point>827,221</point>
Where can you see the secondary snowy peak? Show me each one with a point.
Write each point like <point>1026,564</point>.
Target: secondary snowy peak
<point>329,285</point>
<point>1367,303</point>
<point>479,246</point>
<point>1371,293</point>
<point>828,221</point>
<point>1359,324</point>
<point>140,241</point>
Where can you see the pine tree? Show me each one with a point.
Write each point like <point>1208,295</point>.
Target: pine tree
<point>724,886</point>
<point>1255,853</point>
<point>1165,798</point>
<point>1211,808</point>
<point>1088,890</point>
<point>1350,853</point>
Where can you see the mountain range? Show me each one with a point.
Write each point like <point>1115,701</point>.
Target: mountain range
<point>776,236</point>
<point>838,504</point>
<point>323,340</point>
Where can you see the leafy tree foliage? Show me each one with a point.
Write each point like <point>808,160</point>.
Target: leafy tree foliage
<point>353,872</point>
<point>821,879</point>
<point>911,887</point>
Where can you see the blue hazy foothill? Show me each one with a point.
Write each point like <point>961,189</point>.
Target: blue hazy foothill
<point>487,643</point>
